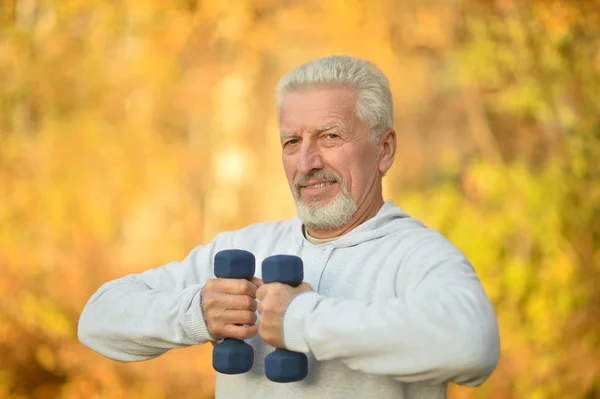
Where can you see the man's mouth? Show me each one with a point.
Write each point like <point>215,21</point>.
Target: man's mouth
<point>319,185</point>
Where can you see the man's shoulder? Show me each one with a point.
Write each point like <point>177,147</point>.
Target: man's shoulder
<point>410,234</point>
<point>269,227</point>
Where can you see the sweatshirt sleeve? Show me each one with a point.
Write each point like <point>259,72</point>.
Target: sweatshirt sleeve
<point>142,316</point>
<point>440,328</point>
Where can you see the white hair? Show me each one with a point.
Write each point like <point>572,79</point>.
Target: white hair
<point>373,96</point>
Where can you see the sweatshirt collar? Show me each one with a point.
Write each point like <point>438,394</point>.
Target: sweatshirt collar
<point>375,227</point>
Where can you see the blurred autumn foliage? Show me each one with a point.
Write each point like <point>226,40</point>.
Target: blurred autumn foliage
<point>133,131</point>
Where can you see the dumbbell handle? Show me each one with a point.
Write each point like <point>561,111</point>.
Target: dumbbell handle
<point>283,365</point>
<point>233,356</point>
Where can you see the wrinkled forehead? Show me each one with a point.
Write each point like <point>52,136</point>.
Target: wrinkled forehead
<point>317,107</point>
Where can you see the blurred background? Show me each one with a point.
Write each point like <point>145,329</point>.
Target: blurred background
<point>132,131</point>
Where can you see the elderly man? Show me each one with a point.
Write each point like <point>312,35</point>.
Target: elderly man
<point>389,308</point>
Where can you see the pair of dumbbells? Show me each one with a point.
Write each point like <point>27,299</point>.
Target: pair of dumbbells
<point>232,356</point>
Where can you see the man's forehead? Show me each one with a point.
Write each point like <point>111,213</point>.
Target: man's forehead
<point>316,110</point>
<point>319,129</point>
<point>318,101</point>
<point>326,127</point>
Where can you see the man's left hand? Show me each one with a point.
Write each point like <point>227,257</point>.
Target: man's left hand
<point>274,299</point>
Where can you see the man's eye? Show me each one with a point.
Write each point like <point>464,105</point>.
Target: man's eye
<point>332,136</point>
<point>292,141</point>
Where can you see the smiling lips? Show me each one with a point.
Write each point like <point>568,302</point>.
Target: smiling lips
<point>316,188</point>
<point>318,184</point>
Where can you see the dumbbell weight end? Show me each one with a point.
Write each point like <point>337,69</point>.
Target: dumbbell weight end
<point>282,365</point>
<point>233,356</point>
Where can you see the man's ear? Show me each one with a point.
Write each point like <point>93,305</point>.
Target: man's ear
<point>387,148</point>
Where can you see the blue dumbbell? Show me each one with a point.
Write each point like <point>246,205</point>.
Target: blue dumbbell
<point>282,365</point>
<point>233,356</point>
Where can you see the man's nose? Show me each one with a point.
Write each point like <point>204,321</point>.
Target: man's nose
<point>310,158</point>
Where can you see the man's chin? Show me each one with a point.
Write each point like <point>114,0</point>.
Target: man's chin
<point>315,202</point>
<point>326,216</point>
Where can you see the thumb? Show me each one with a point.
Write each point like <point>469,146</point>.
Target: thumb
<point>257,282</point>
<point>305,287</point>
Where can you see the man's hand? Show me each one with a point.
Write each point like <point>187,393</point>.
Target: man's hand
<point>229,307</point>
<point>274,298</point>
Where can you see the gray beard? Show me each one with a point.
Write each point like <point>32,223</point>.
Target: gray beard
<point>334,215</point>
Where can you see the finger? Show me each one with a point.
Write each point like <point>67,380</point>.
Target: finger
<point>220,302</point>
<point>265,289</point>
<point>261,307</point>
<point>257,282</point>
<point>261,292</point>
<point>242,317</point>
<point>305,287</point>
<point>240,302</point>
<point>240,332</point>
<point>236,287</point>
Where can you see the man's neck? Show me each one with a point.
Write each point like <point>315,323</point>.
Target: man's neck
<point>314,240</point>
<point>365,212</point>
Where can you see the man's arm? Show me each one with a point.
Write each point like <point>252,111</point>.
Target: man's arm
<point>442,328</point>
<point>142,316</point>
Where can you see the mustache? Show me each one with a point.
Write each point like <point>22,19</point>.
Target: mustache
<point>317,175</point>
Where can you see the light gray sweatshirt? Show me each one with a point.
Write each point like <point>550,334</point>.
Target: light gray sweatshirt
<point>397,312</point>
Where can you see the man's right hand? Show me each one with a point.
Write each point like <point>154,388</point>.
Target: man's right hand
<point>229,307</point>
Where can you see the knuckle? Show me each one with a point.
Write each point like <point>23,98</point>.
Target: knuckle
<point>277,287</point>
<point>211,317</point>
<point>215,330</point>
<point>246,302</point>
<point>251,303</point>
<point>262,332</point>
<point>220,314</point>
<point>241,286</point>
<point>250,318</point>
<point>226,301</point>
<point>208,302</point>
<point>219,329</point>
<point>216,316</point>
<point>247,333</point>
<point>228,285</point>
<point>268,322</point>
<point>266,337</point>
<point>244,333</point>
<point>268,306</point>
<point>233,333</point>
<point>210,285</point>
<point>229,331</point>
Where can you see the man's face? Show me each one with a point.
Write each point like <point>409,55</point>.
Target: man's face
<point>330,163</point>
